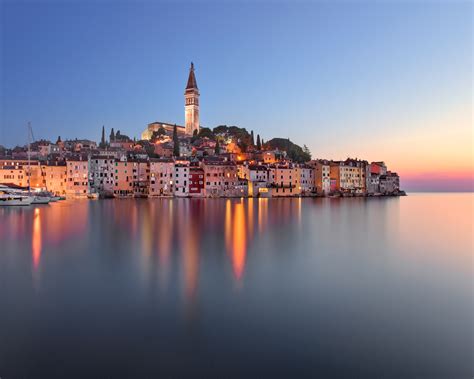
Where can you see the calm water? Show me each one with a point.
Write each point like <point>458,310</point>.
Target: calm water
<point>283,287</point>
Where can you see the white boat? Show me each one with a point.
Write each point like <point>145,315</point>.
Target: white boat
<point>41,199</point>
<point>11,200</point>
<point>9,196</point>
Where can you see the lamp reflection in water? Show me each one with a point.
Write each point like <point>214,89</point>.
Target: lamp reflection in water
<point>236,237</point>
<point>36,239</point>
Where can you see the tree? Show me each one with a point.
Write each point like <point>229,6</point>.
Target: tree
<point>217,148</point>
<point>307,153</point>
<point>259,144</point>
<point>112,135</point>
<point>156,135</point>
<point>102,140</point>
<point>175,141</point>
<point>195,136</point>
<point>206,132</point>
<point>252,141</point>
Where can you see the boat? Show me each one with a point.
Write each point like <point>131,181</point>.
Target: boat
<point>9,196</point>
<point>41,199</point>
<point>93,196</point>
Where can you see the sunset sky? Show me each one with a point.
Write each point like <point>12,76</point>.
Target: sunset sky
<point>378,80</point>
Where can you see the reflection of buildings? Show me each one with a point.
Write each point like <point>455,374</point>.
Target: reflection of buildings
<point>36,239</point>
<point>236,236</point>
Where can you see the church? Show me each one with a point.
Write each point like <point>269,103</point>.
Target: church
<point>191,112</point>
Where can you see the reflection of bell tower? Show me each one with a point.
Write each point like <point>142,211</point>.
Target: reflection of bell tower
<point>191,104</point>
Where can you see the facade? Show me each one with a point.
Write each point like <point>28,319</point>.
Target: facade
<point>140,177</point>
<point>101,173</point>
<point>347,176</point>
<point>191,104</point>
<point>77,177</point>
<point>196,182</point>
<point>389,183</point>
<point>123,178</point>
<point>257,178</point>
<point>284,180</point>
<point>157,125</point>
<point>306,179</point>
<point>55,177</point>
<point>161,177</point>
<point>221,178</point>
<point>181,179</point>
<point>322,180</point>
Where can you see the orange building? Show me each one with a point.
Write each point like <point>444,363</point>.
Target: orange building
<point>55,177</point>
<point>77,177</point>
<point>123,179</point>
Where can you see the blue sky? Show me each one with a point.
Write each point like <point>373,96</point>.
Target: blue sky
<point>365,79</point>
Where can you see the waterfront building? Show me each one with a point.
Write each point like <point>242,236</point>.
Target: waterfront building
<point>378,168</point>
<point>196,181</point>
<point>284,180</point>
<point>389,183</point>
<point>77,176</point>
<point>257,177</point>
<point>123,178</point>
<point>374,184</point>
<point>181,179</point>
<point>321,176</point>
<point>221,178</point>
<point>55,177</point>
<point>140,176</point>
<point>347,176</point>
<point>101,173</point>
<point>14,171</point>
<point>161,177</point>
<point>305,175</point>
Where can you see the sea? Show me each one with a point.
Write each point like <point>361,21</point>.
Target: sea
<point>290,287</point>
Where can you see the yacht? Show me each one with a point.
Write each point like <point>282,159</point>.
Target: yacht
<point>10,196</point>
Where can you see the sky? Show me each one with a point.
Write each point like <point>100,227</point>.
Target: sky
<point>378,80</point>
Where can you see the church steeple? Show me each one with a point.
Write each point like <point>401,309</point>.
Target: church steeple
<point>191,79</point>
<point>191,104</point>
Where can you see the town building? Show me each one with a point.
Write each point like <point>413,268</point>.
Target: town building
<point>77,184</point>
<point>196,181</point>
<point>181,179</point>
<point>284,180</point>
<point>55,177</point>
<point>221,178</point>
<point>123,178</point>
<point>161,177</point>
<point>101,174</point>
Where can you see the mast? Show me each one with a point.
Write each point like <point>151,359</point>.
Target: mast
<point>29,163</point>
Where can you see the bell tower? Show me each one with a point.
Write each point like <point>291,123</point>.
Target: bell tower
<point>191,104</point>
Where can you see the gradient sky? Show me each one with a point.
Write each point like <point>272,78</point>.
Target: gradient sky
<point>378,80</point>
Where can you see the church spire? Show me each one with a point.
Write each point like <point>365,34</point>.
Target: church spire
<point>191,79</point>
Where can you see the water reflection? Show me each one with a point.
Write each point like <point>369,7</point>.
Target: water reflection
<point>394,272</point>
<point>36,239</point>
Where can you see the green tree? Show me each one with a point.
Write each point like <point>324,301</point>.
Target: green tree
<point>217,148</point>
<point>252,141</point>
<point>259,144</point>
<point>307,153</point>
<point>175,141</point>
<point>206,132</point>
